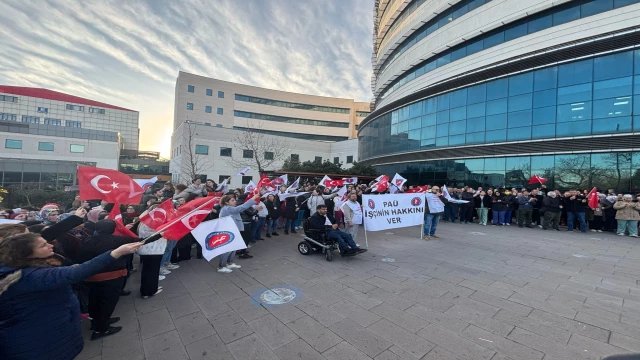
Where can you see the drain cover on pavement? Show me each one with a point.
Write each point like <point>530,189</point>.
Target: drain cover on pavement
<point>388,260</point>
<point>277,296</point>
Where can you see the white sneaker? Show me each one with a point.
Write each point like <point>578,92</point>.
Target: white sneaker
<point>599,230</point>
<point>508,224</point>
<point>161,277</point>
<point>249,246</point>
<point>224,270</point>
<point>540,226</point>
<point>157,292</point>
<point>593,230</point>
<point>620,234</point>
<point>164,271</point>
<point>634,235</point>
<point>233,266</point>
<point>172,266</point>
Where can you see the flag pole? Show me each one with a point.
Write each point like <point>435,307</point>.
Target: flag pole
<point>364,224</point>
<point>178,219</point>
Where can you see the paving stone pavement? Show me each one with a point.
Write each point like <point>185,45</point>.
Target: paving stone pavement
<point>478,292</point>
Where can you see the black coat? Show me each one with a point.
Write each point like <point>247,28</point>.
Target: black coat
<point>497,203</point>
<point>274,208</point>
<point>317,221</point>
<point>290,209</point>
<point>551,204</point>
<point>575,205</point>
<point>468,197</point>
<point>486,201</point>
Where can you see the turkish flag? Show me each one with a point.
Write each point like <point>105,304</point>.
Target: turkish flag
<point>202,207</point>
<point>593,198</point>
<point>106,184</point>
<point>159,216</point>
<point>535,179</point>
<point>121,229</point>
<point>334,183</point>
<point>264,182</point>
<point>381,185</point>
<point>418,189</point>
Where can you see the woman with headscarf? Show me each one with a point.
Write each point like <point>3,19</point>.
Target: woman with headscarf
<point>627,215</point>
<point>39,315</point>
<point>105,287</point>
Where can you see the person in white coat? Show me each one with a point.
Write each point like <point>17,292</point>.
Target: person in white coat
<point>150,259</point>
<point>352,211</point>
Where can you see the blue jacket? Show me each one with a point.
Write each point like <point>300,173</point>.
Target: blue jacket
<point>234,212</point>
<point>524,203</point>
<point>39,314</point>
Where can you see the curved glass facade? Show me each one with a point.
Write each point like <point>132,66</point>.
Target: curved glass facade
<point>600,95</point>
<point>614,170</point>
<point>557,15</point>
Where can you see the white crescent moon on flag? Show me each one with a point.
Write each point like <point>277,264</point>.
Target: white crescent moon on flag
<point>185,220</point>
<point>164,214</point>
<point>94,183</point>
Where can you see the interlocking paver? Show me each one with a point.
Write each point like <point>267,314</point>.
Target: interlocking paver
<point>507,295</point>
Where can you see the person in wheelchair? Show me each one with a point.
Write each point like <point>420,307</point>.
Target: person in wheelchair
<point>322,221</point>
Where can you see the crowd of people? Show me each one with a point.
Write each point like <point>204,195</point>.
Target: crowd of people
<point>59,263</point>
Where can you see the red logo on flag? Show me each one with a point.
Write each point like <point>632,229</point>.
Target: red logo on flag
<point>398,182</point>
<point>416,201</point>
<point>217,239</point>
<point>372,205</point>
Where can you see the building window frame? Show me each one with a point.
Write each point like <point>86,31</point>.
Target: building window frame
<point>247,154</point>
<point>269,155</point>
<point>226,151</point>
<point>207,109</point>
<point>220,111</point>
<point>45,146</point>
<point>295,157</point>
<point>13,144</point>
<point>209,92</point>
<point>189,106</point>
<point>76,148</point>
<point>350,159</point>
<point>220,94</point>
<point>191,88</point>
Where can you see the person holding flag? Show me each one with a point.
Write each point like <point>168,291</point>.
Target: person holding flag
<point>575,206</point>
<point>432,211</point>
<point>596,213</point>
<point>230,207</point>
<point>352,211</point>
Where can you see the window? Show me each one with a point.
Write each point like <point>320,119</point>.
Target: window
<point>290,120</point>
<point>270,102</point>
<point>202,149</point>
<point>8,98</point>
<point>221,178</point>
<point>221,94</point>
<point>207,109</point>
<point>295,157</point>
<point>77,148</point>
<point>189,106</point>
<point>13,144</point>
<point>362,113</point>
<point>96,110</point>
<point>318,159</point>
<point>45,146</point>
<point>43,110</point>
<point>224,151</point>
<point>191,88</point>
<point>305,136</point>
<point>209,92</point>
<point>247,154</point>
<point>75,124</point>
<point>74,107</point>
<point>31,119</point>
<point>268,155</point>
<point>336,160</point>
<point>50,121</point>
<point>220,111</point>
<point>10,117</point>
<point>350,159</point>
<point>247,179</point>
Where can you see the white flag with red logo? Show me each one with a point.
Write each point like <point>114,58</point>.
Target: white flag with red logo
<point>218,236</point>
<point>280,180</point>
<point>323,180</point>
<point>396,183</point>
<point>251,187</point>
<point>146,183</point>
<point>294,186</point>
<point>159,216</point>
<point>191,215</point>
<point>222,185</point>
<point>243,172</point>
<point>351,180</point>
<point>343,196</point>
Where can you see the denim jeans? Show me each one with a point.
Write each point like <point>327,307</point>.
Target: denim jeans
<point>272,226</point>
<point>345,240</point>
<point>454,209</point>
<point>430,224</point>
<point>482,215</point>
<point>507,216</point>
<point>225,258</point>
<point>498,217</point>
<point>289,225</point>
<point>258,229</point>
<point>630,225</point>
<point>167,252</point>
<point>570,218</point>
<point>298,221</point>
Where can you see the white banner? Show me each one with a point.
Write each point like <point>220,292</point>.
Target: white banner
<point>288,195</point>
<point>218,236</point>
<point>390,211</point>
<point>243,172</point>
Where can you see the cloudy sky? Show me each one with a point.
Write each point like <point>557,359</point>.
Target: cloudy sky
<point>128,52</point>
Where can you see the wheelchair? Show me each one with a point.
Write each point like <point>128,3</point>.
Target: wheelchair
<point>316,240</point>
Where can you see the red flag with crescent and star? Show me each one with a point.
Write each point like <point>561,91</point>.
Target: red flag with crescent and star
<point>121,229</point>
<point>593,198</point>
<point>159,216</point>
<point>107,184</point>
<point>190,222</point>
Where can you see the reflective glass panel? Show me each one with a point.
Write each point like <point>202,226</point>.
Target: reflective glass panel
<point>519,118</point>
<point>612,107</point>
<point>545,115</point>
<point>613,66</point>
<point>574,93</point>
<point>612,125</point>
<point>521,133</point>
<point>595,7</point>
<point>496,135</point>
<point>476,110</point>
<point>544,98</point>
<point>611,88</point>
<point>476,124</point>
<point>520,102</point>
<point>574,112</point>
<point>497,89</point>
<point>474,138</point>
<point>521,84</point>
<point>476,94</point>
<point>575,73</point>
<point>545,78</point>
<point>497,121</point>
<point>496,106</point>
<point>543,131</point>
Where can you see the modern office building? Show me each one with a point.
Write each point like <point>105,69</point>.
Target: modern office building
<point>490,92</point>
<point>45,135</point>
<point>313,125</point>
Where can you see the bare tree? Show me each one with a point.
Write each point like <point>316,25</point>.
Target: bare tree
<point>262,151</point>
<point>191,164</point>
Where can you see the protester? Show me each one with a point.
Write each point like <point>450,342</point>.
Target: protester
<point>627,215</point>
<point>498,208</point>
<point>263,212</point>
<point>552,208</point>
<point>596,217</point>
<point>466,209</point>
<point>525,209</point>
<point>434,207</point>
<point>150,260</point>
<point>39,315</point>
<point>321,221</point>
<point>352,211</point>
<point>575,204</point>
<point>273,209</point>
<point>291,214</point>
<point>229,207</point>
<point>482,203</point>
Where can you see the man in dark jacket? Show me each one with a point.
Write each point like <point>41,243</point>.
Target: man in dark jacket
<point>104,288</point>
<point>466,209</point>
<point>525,208</point>
<point>322,221</point>
<point>432,215</point>
<point>575,207</point>
<point>552,208</point>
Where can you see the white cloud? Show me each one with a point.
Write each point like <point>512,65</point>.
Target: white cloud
<point>129,52</point>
